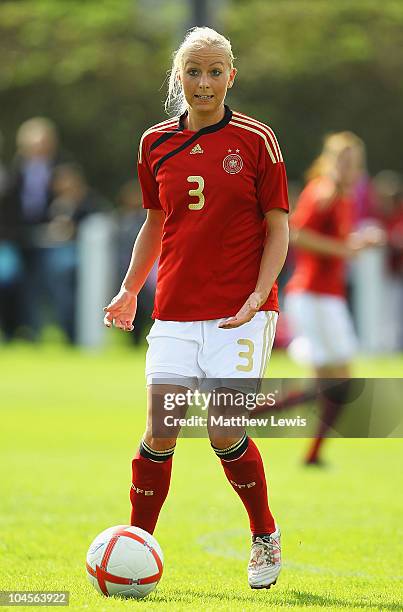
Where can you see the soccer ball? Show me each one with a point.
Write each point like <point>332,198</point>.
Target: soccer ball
<point>125,561</point>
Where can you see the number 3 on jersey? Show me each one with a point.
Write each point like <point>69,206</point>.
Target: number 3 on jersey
<point>196,192</point>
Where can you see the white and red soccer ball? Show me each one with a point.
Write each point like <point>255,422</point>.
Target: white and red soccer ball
<point>125,561</point>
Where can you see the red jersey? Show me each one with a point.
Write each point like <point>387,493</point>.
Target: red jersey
<point>315,272</point>
<point>214,185</point>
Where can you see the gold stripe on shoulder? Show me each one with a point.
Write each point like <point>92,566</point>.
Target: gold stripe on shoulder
<point>265,128</point>
<point>260,133</point>
<point>158,127</point>
<point>260,123</point>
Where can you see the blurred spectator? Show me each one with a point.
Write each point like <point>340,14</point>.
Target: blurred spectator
<point>130,217</point>
<point>389,192</point>
<point>31,174</point>
<point>74,200</point>
<point>364,197</point>
<point>27,202</point>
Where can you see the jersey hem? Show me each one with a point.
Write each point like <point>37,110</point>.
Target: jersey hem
<point>334,293</point>
<point>170,370</point>
<point>212,317</point>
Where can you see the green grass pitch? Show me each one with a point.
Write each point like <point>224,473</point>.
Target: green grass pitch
<point>70,423</point>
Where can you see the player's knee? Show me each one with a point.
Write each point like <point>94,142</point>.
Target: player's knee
<point>222,443</point>
<point>158,444</point>
<point>224,437</point>
<point>229,448</point>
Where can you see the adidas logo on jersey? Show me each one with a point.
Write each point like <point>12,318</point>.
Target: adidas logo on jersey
<point>196,149</point>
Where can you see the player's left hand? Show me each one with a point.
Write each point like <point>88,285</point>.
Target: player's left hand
<point>374,236</point>
<point>246,313</point>
<point>367,237</point>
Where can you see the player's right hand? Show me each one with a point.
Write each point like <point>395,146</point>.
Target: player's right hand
<point>121,310</point>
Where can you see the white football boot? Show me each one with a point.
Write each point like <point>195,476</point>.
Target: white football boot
<point>265,561</point>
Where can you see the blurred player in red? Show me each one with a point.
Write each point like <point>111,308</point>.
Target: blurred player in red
<point>214,186</point>
<point>321,231</point>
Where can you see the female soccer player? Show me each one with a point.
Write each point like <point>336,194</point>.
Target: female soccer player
<point>214,186</point>
<point>321,230</point>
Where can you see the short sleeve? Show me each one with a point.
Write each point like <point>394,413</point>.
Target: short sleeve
<point>148,184</point>
<point>272,191</point>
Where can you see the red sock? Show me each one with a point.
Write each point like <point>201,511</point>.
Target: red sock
<point>247,477</point>
<point>312,455</point>
<point>330,410</point>
<point>150,486</point>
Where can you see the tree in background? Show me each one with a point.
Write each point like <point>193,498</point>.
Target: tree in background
<point>307,67</point>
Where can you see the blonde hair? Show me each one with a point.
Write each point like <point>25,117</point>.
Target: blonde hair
<point>333,146</point>
<point>33,129</point>
<point>196,39</point>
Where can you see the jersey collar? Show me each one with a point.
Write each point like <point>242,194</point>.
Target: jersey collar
<point>209,128</point>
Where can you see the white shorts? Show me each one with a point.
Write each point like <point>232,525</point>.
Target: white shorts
<point>198,350</point>
<point>322,329</point>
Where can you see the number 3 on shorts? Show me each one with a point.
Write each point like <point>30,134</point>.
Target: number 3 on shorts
<point>246,355</point>
<point>196,192</point>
